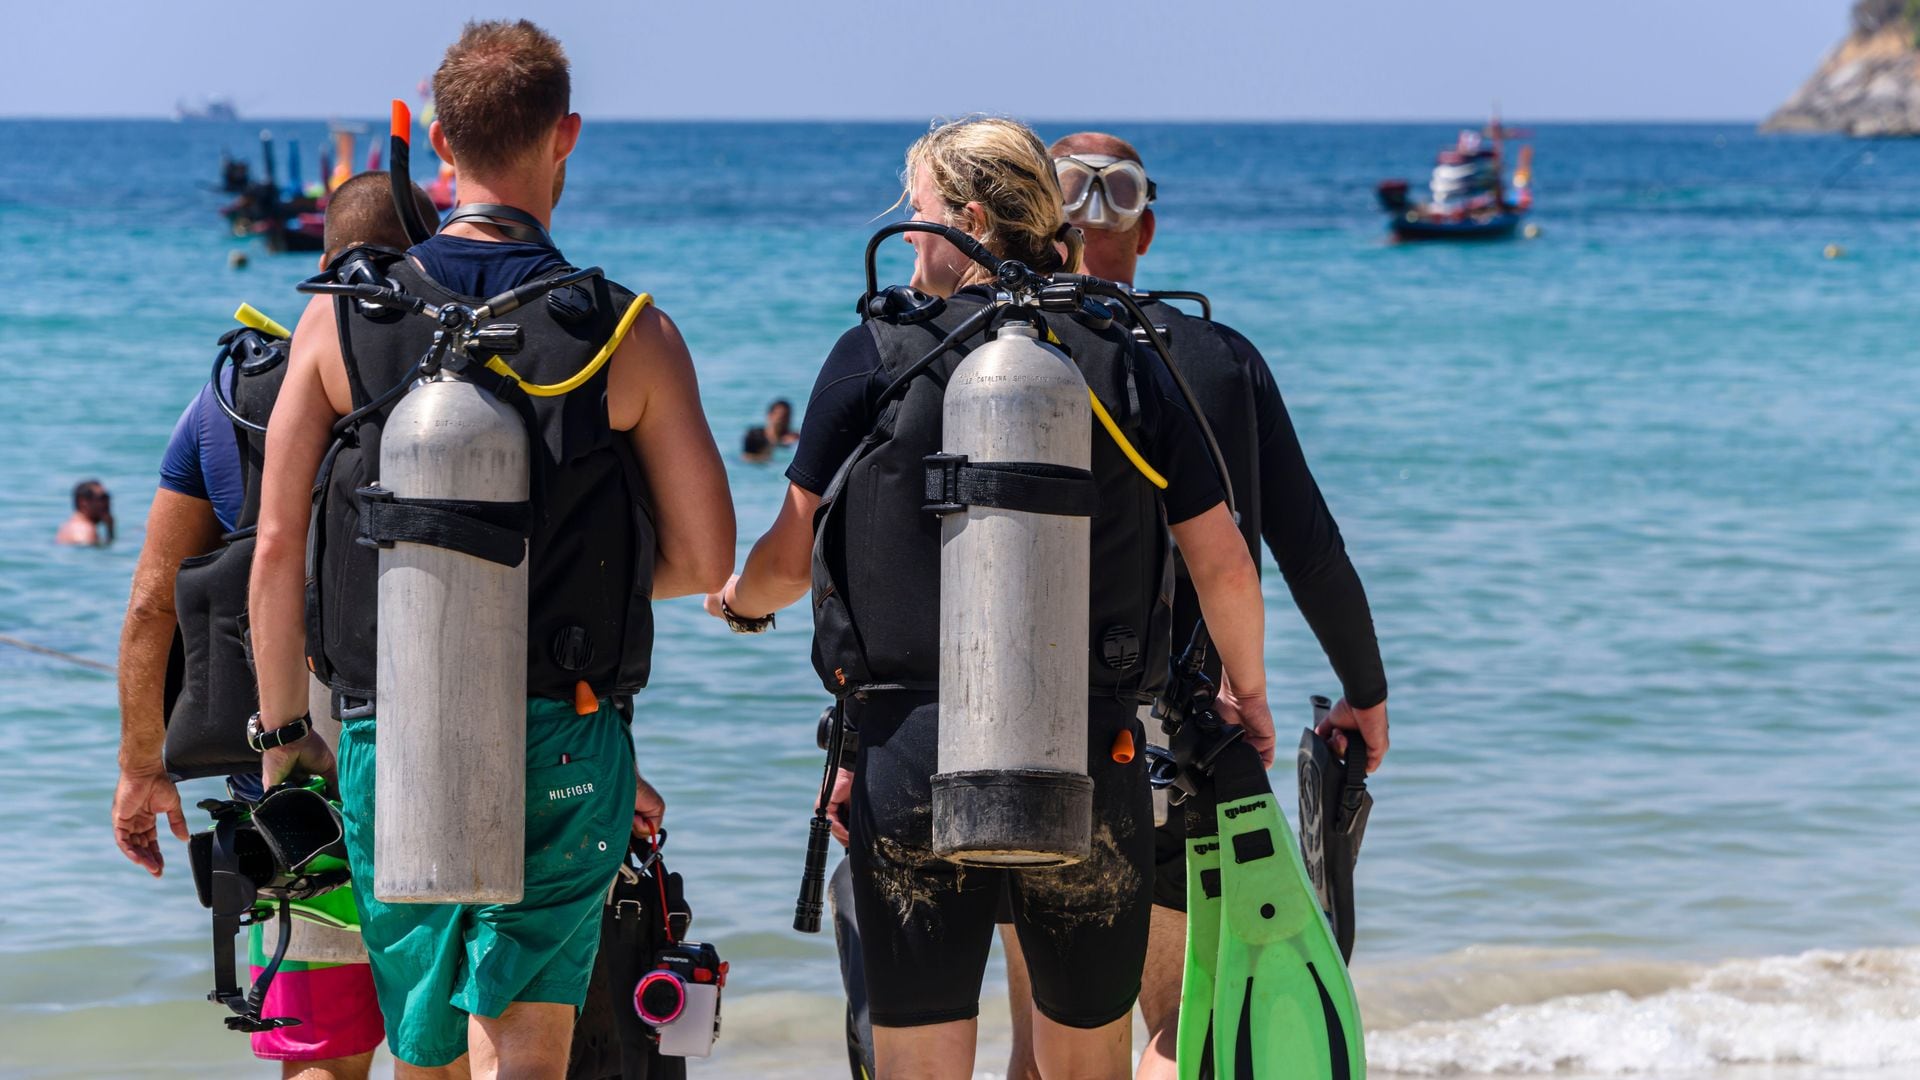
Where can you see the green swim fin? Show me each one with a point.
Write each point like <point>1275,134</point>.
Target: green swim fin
<point>1195,1040</point>
<point>1283,1005</point>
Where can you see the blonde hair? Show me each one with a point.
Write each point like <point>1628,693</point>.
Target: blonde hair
<point>1002,166</point>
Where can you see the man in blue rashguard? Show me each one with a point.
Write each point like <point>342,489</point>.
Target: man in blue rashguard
<point>200,497</point>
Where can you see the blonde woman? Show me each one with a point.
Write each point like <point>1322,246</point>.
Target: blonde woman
<point>926,924</point>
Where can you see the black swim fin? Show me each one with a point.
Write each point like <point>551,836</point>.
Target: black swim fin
<point>1334,807</point>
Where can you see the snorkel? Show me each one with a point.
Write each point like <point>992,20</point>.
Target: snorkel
<point>400,173</point>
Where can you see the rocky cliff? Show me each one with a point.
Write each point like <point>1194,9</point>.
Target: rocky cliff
<point>1869,85</point>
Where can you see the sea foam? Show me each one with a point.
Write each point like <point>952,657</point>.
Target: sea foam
<point>1820,1010</point>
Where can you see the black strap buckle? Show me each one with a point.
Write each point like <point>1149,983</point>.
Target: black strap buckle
<point>953,483</point>
<point>494,531</point>
<point>943,483</point>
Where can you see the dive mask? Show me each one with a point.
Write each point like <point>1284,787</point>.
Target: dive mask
<point>1101,191</point>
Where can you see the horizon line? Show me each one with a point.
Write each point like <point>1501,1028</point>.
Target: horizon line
<point>320,118</point>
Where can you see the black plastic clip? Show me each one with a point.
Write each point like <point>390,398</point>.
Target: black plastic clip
<point>372,493</point>
<point>943,483</point>
<point>1062,297</point>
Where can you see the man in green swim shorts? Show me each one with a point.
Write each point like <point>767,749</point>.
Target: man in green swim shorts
<point>630,504</point>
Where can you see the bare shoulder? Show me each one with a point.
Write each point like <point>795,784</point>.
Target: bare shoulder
<point>316,354</point>
<point>655,337</point>
<point>651,363</point>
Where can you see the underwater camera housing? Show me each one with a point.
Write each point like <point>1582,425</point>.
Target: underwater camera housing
<point>256,863</point>
<point>680,998</point>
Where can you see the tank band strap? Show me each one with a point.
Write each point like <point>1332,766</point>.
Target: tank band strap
<point>954,483</point>
<point>494,531</point>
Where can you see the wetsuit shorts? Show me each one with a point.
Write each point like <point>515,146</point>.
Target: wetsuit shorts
<point>926,924</point>
<point>1170,862</point>
<point>435,964</point>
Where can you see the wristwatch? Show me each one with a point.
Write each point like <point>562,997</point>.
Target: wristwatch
<point>291,732</point>
<point>740,624</point>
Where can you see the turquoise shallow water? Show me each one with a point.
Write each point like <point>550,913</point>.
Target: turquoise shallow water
<point>1635,503</point>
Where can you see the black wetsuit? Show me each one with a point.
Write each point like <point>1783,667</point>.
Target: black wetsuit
<point>1283,506</point>
<point>926,924</point>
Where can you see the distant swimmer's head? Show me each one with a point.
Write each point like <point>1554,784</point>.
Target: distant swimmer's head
<point>502,100</point>
<point>756,446</point>
<point>990,178</point>
<point>780,417</point>
<point>360,212</point>
<point>1107,193</point>
<point>90,499</point>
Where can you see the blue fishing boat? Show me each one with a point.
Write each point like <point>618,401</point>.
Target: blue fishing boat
<point>1469,195</point>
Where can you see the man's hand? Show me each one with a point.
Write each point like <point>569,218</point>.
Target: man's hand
<point>308,756</point>
<point>1250,712</point>
<point>138,801</point>
<point>649,809</point>
<point>837,800</point>
<point>1370,723</point>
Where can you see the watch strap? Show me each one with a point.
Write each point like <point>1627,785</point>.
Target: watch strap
<point>293,731</point>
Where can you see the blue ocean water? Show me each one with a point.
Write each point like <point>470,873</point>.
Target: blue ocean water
<point>1634,501</point>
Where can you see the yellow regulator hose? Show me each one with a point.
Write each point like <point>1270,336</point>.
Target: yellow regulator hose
<point>579,378</point>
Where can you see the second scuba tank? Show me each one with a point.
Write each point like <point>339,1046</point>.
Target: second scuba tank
<point>450,776</point>
<point>1012,787</point>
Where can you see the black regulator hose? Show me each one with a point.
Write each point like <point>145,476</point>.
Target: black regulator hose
<point>974,324</point>
<point>223,397</point>
<point>1115,291</point>
<point>971,248</point>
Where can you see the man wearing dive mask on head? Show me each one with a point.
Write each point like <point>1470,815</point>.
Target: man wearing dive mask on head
<point>628,504</point>
<point>207,488</point>
<point>927,925</point>
<point>1108,195</point>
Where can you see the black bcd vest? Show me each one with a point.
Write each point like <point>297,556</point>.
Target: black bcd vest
<point>1223,387</point>
<point>207,716</point>
<point>876,560</point>
<point>591,549</point>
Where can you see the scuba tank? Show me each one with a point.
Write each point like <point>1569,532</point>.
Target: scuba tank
<point>450,516</point>
<point>1015,495</point>
<point>449,797</point>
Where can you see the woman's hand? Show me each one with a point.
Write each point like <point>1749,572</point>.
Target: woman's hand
<point>724,596</point>
<point>1250,712</point>
<point>837,801</point>
<point>1371,723</point>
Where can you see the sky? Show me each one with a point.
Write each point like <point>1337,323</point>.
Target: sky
<point>1542,60</point>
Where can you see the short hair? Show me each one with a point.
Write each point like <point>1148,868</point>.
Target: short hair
<point>85,490</point>
<point>780,403</point>
<point>361,211</point>
<point>499,91</point>
<point>756,441</point>
<point>1095,142</point>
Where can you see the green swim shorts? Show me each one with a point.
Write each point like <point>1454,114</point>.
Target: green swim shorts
<point>434,964</point>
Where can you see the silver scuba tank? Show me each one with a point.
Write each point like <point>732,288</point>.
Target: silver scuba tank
<point>450,775</point>
<point>1012,787</point>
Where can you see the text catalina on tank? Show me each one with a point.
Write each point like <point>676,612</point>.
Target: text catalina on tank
<point>1469,198</point>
